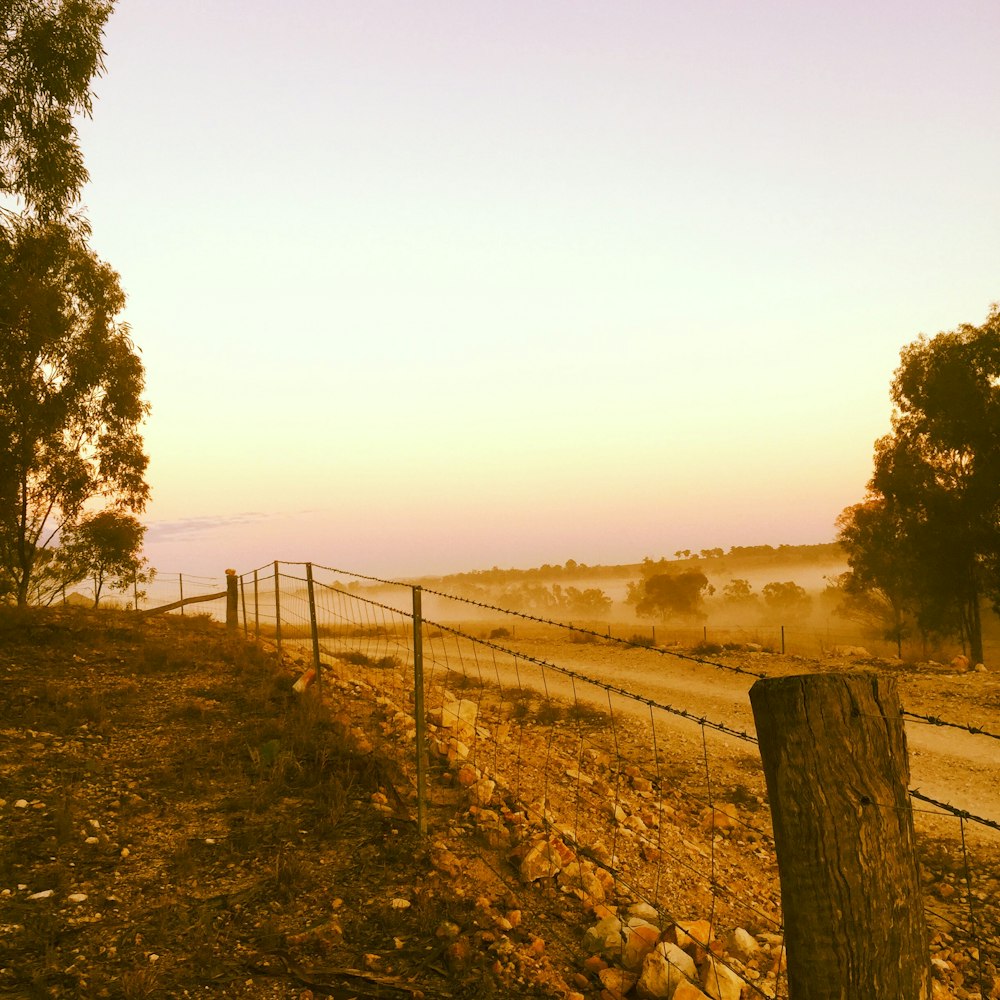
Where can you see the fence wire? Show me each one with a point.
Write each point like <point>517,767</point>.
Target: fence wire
<point>572,788</point>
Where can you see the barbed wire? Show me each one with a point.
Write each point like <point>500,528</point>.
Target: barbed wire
<point>933,720</point>
<point>599,635</point>
<point>609,688</point>
<point>947,807</point>
<point>363,576</point>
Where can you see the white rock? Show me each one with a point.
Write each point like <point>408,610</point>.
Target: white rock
<point>604,938</point>
<point>719,981</point>
<point>483,790</point>
<point>660,977</point>
<point>77,897</point>
<point>44,894</point>
<point>21,804</point>
<point>676,955</point>
<point>742,944</point>
<point>399,903</point>
<point>645,912</point>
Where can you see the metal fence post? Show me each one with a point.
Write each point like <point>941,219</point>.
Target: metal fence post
<point>256,608</point>
<point>243,605</point>
<point>180,584</point>
<point>314,627</point>
<point>277,607</point>
<point>782,640</point>
<point>418,709</point>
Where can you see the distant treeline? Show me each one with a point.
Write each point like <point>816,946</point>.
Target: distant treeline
<point>739,558</point>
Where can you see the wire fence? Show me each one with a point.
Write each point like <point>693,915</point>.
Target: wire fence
<point>650,816</point>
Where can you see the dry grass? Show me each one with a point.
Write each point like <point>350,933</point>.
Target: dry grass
<point>220,826</point>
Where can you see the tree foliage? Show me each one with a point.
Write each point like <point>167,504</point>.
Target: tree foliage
<point>50,50</point>
<point>590,602</point>
<point>928,534</point>
<point>671,595</point>
<point>71,387</point>
<point>106,548</point>
<point>787,602</point>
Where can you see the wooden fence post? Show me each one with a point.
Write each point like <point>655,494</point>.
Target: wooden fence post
<point>834,756</point>
<point>314,628</point>
<point>232,600</point>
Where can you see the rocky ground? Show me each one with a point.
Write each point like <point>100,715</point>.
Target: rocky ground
<point>177,821</point>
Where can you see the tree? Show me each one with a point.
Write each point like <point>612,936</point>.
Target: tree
<point>50,50</point>
<point>879,589</point>
<point>107,548</point>
<point>937,481</point>
<point>71,388</point>
<point>669,595</point>
<point>739,593</point>
<point>787,601</point>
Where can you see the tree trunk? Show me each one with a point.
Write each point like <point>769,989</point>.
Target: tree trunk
<point>834,757</point>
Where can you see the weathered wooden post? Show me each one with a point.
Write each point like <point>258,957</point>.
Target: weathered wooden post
<point>314,628</point>
<point>232,600</point>
<point>834,756</point>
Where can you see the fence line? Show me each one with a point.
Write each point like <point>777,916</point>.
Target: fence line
<point>551,764</point>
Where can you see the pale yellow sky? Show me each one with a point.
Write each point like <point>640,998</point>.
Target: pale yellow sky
<point>431,287</point>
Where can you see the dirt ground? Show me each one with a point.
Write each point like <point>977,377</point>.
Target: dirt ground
<point>178,822</point>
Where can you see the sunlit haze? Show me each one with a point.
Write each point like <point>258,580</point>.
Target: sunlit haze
<point>435,286</point>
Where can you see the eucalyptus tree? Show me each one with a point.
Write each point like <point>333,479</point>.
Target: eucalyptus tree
<point>50,51</point>
<point>928,534</point>
<point>71,404</point>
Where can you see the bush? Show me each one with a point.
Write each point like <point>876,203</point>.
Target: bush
<point>707,649</point>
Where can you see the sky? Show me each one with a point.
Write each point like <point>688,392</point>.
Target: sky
<point>428,287</point>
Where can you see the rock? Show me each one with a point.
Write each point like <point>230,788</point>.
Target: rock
<point>77,897</point>
<point>688,991</point>
<point>693,934</point>
<point>617,981</point>
<point>583,883</point>
<point>604,938</point>
<point>719,981</point>
<point>660,977</point>
<point>980,668</point>
<point>467,775</point>
<point>304,680</point>
<point>721,818</point>
<point>641,937</point>
<point>676,955</point>
<point>459,716</point>
<point>545,859</point>
<point>21,804</point>
<point>859,651</point>
<point>645,912</point>
<point>399,903</point>
<point>742,944</point>
<point>483,790</point>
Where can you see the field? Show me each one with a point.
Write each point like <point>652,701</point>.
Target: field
<point>177,821</point>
